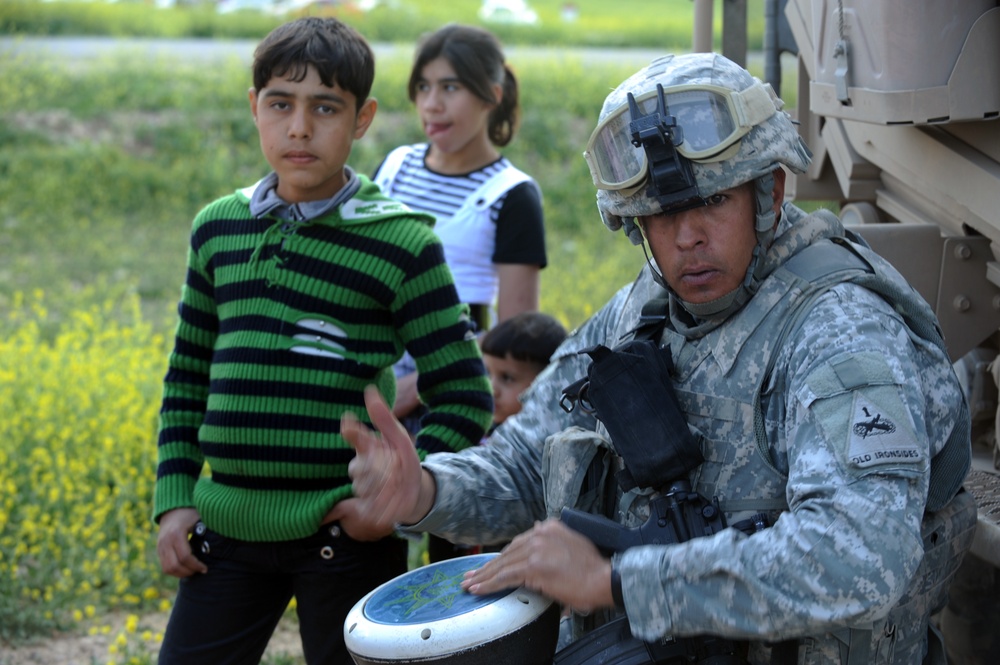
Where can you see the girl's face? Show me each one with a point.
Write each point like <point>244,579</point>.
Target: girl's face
<point>454,119</point>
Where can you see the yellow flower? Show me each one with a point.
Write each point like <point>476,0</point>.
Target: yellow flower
<point>75,382</point>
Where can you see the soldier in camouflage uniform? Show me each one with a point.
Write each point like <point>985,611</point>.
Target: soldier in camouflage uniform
<point>812,375</point>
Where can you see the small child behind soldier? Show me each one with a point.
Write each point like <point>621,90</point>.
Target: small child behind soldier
<point>515,351</point>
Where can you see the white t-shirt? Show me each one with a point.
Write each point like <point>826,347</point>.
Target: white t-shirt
<point>489,216</point>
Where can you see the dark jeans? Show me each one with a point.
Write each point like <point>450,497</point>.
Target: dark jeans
<point>227,615</point>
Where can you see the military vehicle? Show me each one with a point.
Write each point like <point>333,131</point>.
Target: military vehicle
<point>900,102</point>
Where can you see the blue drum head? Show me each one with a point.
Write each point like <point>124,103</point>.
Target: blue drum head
<point>430,593</point>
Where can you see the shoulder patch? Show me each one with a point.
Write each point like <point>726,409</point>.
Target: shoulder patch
<point>876,438</point>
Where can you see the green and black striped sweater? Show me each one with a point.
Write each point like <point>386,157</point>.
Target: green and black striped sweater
<point>282,325</point>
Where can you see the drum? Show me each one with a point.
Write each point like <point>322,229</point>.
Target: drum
<point>424,616</point>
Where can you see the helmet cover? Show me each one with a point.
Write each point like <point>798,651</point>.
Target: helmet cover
<point>772,142</point>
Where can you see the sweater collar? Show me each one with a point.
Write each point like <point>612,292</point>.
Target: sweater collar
<point>265,202</point>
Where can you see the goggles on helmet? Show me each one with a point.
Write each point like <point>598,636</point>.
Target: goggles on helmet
<point>710,119</point>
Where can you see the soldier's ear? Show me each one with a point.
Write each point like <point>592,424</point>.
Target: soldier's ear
<point>778,193</point>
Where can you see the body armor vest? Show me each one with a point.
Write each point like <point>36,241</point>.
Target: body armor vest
<point>724,382</point>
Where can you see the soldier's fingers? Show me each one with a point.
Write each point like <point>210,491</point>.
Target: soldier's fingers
<point>501,572</point>
<point>355,433</point>
<point>486,582</point>
<point>393,432</point>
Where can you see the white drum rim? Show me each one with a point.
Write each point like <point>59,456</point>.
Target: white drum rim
<point>435,639</point>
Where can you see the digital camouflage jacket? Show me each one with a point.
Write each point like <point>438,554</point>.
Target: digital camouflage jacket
<point>854,404</point>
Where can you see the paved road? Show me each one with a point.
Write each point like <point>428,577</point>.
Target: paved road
<point>81,49</point>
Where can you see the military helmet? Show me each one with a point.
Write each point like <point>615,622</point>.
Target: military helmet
<point>732,131</point>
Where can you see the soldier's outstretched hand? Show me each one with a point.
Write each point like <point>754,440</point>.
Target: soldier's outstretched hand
<point>385,474</point>
<point>553,560</point>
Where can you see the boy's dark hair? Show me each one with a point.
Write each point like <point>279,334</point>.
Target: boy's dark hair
<point>339,53</point>
<point>529,337</point>
<point>477,58</point>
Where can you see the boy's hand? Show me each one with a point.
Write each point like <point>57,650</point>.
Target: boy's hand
<point>176,557</point>
<point>386,475</point>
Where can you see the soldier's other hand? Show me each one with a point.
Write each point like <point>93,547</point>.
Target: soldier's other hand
<point>553,560</point>
<point>385,473</point>
<point>172,546</point>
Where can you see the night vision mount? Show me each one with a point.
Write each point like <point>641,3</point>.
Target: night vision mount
<point>672,181</point>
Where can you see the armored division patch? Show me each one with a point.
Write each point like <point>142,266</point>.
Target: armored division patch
<point>860,411</point>
<point>877,438</point>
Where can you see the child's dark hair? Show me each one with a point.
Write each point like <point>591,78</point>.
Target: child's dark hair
<point>529,337</point>
<point>477,58</point>
<point>339,53</point>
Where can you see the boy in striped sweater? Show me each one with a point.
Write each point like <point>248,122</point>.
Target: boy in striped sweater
<point>301,290</point>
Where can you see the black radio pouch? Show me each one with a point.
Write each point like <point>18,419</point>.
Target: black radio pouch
<point>629,389</point>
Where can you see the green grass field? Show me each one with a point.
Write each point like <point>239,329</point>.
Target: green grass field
<point>626,23</point>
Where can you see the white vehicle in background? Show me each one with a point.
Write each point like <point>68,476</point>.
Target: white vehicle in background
<point>286,7</point>
<point>508,11</point>
<point>262,6</point>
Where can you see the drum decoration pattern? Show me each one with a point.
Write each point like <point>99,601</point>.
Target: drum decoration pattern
<point>431,593</point>
<point>424,616</point>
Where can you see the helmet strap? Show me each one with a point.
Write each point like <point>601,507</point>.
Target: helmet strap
<point>653,268</point>
<point>764,192</point>
<point>633,233</point>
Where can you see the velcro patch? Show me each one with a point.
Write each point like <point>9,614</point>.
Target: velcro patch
<point>877,438</point>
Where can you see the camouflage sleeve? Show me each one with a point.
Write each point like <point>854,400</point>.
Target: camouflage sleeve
<point>493,492</point>
<point>853,430</point>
